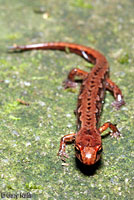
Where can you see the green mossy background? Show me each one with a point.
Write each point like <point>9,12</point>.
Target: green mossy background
<point>30,135</point>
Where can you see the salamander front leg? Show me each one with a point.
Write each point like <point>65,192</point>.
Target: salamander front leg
<point>111,86</point>
<point>115,132</point>
<point>64,140</point>
<point>70,82</point>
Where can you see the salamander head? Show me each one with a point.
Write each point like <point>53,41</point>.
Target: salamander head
<point>88,155</point>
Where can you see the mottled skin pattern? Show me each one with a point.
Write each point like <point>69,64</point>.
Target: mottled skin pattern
<point>87,140</point>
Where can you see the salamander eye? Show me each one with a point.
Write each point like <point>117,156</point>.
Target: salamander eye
<point>99,150</point>
<point>77,148</point>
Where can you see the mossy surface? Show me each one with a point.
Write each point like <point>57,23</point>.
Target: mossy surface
<point>30,135</point>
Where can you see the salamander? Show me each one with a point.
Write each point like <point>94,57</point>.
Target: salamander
<point>87,139</point>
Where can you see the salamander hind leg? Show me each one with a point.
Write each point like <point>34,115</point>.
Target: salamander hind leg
<point>70,82</point>
<point>115,132</point>
<point>111,86</point>
<point>64,140</point>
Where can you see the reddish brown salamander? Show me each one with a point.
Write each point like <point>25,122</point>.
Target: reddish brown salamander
<point>87,139</point>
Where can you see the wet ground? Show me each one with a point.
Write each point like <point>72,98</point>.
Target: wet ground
<point>30,135</point>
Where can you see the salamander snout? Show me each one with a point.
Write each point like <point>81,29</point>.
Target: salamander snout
<point>88,155</point>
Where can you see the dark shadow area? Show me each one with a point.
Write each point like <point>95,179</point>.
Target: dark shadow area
<point>106,135</point>
<point>88,170</point>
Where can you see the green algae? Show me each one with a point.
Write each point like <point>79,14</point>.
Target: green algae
<point>124,59</point>
<point>30,135</point>
<point>82,4</point>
